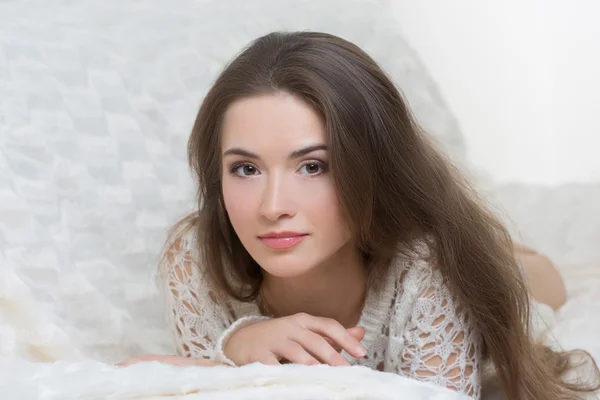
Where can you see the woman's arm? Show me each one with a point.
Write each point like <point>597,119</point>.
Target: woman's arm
<point>440,345</point>
<point>200,321</point>
<point>195,317</point>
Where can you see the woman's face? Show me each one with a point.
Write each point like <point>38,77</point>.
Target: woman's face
<point>277,189</point>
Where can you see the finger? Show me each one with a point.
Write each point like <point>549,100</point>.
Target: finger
<point>358,332</point>
<point>269,359</point>
<point>332,343</point>
<point>335,331</point>
<point>294,352</point>
<point>318,347</point>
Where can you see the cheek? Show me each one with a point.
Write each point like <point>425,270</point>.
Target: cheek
<point>324,210</point>
<point>238,205</point>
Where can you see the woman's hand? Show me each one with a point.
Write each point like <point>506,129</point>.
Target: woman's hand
<point>174,360</point>
<point>300,338</point>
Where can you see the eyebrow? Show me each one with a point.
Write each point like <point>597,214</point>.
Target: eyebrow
<point>294,154</point>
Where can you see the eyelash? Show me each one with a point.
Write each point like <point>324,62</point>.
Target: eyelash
<point>321,164</point>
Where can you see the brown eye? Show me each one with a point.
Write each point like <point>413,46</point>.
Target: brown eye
<point>245,170</point>
<point>312,168</point>
<point>248,170</point>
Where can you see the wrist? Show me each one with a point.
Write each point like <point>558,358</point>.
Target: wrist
<point>223,352</point>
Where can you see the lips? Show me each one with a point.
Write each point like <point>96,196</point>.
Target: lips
<point>282,240</point>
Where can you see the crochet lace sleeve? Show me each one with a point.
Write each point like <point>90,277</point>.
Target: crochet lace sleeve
<point>199,320</point>
<point>440,344</point>
<point>195,317</point>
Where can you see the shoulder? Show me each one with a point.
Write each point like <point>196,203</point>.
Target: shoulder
<point>423,290</point>
<point>182,271</point>
<point>416,262</point>
<point>179,261</point>
<point>418,276</point>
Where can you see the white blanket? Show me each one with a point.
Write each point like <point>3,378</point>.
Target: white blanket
<point>154,381</point>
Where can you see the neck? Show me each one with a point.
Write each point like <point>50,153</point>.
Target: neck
<point>335,289</point>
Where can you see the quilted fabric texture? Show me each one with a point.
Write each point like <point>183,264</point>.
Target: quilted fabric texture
<point>97,101</point>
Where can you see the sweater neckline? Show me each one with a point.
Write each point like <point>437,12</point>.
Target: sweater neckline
<point>376,310</point>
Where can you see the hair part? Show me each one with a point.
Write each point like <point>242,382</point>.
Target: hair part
<point>394,186</point>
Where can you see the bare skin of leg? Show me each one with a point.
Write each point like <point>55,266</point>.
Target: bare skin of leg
<point>545,282</point>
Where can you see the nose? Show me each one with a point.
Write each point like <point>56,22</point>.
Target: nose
<point>277,202</point>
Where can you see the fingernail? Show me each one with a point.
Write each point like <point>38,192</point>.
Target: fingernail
<point>361,351</point>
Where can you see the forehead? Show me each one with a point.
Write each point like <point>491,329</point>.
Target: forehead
<point>271,121</point>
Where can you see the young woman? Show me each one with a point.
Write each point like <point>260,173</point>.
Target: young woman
<point>331,230</point>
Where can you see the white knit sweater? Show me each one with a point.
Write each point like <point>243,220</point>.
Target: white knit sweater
<point>412,326</point>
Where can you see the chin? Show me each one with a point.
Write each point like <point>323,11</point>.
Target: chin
<point>286,267</point>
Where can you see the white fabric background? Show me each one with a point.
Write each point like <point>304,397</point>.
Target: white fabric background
<point>96,102</point>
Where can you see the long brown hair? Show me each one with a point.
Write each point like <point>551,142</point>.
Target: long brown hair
<point>393,184</point>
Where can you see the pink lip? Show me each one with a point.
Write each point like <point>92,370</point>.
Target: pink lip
<point>282,240</point>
